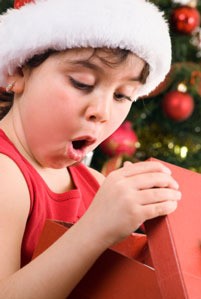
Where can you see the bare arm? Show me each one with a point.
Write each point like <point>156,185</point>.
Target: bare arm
<point>125,200</point>
<point>58,270</point>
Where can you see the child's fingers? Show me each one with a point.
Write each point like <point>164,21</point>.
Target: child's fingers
<point>130,169</point>
<point>152,180</point>
<point>157,195</point>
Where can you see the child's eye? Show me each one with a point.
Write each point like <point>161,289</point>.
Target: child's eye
<point>121,97</point>
<point>80,85</point>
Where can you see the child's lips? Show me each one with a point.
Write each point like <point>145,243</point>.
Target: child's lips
<point>75,154</point>
<point>77,148</point>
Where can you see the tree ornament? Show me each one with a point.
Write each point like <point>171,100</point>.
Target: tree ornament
<point>177,105</point>
<point>193,3</point>
<point>19,3</point>
<point>122,141</point>
<point>182,87</point>
<point>185,19</point>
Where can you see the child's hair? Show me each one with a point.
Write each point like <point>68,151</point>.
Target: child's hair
<point>112,58</point>
<point>6,101</point>
<point>38,25</point>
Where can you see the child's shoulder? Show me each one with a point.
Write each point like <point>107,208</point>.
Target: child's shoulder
<point>13,187</point>
<point>98,175</point>
<point>14,210</point>
<point>9,158</point>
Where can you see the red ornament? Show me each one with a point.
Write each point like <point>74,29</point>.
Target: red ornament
<point>122,141</point>
<point>185,19</point>
<point>19,3</point>
<point>178,105</point>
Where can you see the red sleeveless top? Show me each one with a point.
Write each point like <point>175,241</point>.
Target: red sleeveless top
<point>46,204</point>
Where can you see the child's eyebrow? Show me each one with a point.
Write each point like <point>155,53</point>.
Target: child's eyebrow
<point>89,65</point>
<point>86,64</point>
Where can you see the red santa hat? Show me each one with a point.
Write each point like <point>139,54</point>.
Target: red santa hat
<point>34,26</point>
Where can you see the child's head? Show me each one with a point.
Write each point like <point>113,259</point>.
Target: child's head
<point>75,67</point>
<point>69,102</point>
<point>43,25</point>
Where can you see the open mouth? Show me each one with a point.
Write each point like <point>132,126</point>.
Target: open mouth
<point>79,144</point>
<point>78,148</point>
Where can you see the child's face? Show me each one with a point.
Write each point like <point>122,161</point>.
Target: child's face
<point>71,103</point>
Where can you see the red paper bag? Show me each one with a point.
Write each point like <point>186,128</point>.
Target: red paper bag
<point>167,267</point>
<point>117,274</point>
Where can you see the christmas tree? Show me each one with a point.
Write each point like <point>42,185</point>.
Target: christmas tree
<point>166,124</point>
<point>5,4</point>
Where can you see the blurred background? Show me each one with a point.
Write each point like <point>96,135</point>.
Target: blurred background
<point>166,124</point>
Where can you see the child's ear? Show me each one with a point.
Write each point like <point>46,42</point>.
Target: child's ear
<point>17,81</point>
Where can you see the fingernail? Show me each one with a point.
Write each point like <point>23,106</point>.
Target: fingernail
<point>175,185</point>
<point>179,195</point>
<point>127,163</point>
<point>167,170</point>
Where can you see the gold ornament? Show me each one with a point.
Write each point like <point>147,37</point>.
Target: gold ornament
<point>193,3</point>
<point>182,87</point>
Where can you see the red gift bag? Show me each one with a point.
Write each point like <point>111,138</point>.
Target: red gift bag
<point>118,273</point>
<point>164,264</point>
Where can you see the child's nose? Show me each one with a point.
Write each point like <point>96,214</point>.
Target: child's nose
<point>99,110</point>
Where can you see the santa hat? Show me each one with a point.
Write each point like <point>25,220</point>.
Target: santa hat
<point>38,25</point>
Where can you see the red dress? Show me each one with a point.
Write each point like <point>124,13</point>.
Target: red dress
<point>46,204</point>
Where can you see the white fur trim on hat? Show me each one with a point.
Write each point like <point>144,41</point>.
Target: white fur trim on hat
<point>136,25</point>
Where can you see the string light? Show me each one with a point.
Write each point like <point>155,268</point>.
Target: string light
<point>182,87</point>
<point>183,152</point>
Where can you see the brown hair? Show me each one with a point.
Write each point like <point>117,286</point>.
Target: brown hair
<point>6,101</point>
<point>111,57</point>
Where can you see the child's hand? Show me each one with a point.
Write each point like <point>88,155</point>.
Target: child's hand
<point>129,196</point>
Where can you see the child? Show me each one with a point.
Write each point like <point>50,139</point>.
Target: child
<point>74,67</point>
